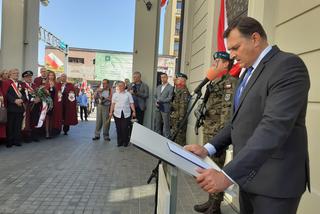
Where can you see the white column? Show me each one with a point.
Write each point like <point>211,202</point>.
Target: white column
<point>31,40</point>
<point>11,55</point>
<point>145,53</point>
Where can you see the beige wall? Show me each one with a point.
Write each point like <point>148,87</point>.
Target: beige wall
<point>199,36</point>
<point>11,55</point>
<point>145,54</point>
<point>19,39</point>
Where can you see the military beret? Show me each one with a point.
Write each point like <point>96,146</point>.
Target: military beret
<point>182,75</point>
<point>221,55</point>
<point>27,73</point>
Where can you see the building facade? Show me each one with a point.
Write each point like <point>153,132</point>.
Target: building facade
<point>95,65</point>
<point>172,28</point>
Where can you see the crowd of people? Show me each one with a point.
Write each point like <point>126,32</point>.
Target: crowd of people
<point>33,109</point>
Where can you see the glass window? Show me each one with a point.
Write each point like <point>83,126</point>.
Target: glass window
<point>76,60</point>
<point>179,5</point>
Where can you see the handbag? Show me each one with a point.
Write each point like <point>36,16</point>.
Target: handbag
<point>3,114</point>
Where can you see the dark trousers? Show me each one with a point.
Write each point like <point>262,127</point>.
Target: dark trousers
<point>85,110</point>
<point>123,130</point>
<point>259,204</point>
<point>14,124</point>
<point>140,115</point>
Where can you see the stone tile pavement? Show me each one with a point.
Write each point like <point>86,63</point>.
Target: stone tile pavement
<point>72,174</point>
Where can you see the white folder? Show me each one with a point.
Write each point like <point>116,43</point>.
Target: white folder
<point>170,152</point>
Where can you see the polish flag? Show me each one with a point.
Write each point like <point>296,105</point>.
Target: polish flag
<point>163,2</point>
<point>222,26</point>
<point>53,61</point>
<point>222,42</point>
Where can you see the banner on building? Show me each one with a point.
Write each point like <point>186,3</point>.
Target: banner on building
<point>113,66</point>
<point>53,63</point>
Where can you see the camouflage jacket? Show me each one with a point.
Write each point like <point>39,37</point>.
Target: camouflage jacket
<point>179,105</point>
<point>219,105</point>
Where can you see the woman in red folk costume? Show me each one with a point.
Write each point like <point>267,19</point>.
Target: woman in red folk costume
<point>69,104</point>
<point>54,115</point>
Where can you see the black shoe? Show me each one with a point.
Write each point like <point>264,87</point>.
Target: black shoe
<point>48,137</point>
<point>119,145</point>
<point>107,139</point>
<point>201,208</point>
<point>213,210</point>
<point>18,144</point>
<point>66,133</point>
<point>8,145</point>
<point>86,119</point>
<point>35,140</point>
<point>96,138</point>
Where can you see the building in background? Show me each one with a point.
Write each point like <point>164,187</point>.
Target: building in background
<point>96,65</point>
<point>172,28</point>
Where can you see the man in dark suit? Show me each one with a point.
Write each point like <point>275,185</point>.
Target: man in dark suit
<point>163,99</point>
<point>15,99</point>
<point>267,129</point>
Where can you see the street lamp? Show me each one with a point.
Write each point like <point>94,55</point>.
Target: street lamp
<point>44,2</point>
<point>148,4</point>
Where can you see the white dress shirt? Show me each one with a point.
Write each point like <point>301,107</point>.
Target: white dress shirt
<point>163,86</point>
<point>122,102</point>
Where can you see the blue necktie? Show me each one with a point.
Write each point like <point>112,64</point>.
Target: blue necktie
<point>241,87</point>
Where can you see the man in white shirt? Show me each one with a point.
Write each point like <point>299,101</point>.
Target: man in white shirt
<point>121,108</point>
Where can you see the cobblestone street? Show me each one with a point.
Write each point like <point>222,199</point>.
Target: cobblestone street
<point>72,174</point>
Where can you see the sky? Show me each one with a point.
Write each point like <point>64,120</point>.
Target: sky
<point>96,24</point>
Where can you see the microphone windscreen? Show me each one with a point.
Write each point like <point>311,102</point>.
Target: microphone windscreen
<point>211,74</point>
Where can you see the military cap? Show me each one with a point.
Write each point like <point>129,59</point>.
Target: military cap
<point>27,73</point>
<point>221,55</point>
<point>182,75</point>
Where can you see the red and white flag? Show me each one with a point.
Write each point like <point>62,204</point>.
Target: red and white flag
<point>163,2</point>
<point>222,42</point>
<point>222,26</point>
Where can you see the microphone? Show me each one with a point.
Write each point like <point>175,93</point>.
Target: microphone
<point>211,75</point>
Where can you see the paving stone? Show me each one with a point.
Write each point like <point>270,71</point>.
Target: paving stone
<point>71,174</point>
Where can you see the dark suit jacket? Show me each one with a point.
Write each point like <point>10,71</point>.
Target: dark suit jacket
<point>11,97</point>
<point>141,95</point>
<point>268,129</point>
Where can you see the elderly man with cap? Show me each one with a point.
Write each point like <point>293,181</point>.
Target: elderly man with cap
<point>179,107</point>
<point>218,112</point>
<point>32,108</point>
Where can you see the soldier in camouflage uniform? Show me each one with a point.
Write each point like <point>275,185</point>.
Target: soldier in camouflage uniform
<point>218,111</point>
<point>179,107</point>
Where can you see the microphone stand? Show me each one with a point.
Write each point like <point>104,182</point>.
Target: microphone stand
<point>181,124</point>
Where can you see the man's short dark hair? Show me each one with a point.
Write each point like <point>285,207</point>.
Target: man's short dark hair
<point>106,80</point>
<point>246,26</point>
<point>137,72</point>
<point>162,73</point>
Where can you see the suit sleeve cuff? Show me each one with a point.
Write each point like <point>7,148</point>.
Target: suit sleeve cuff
<point>210,148</point>
<point>228,177</point>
